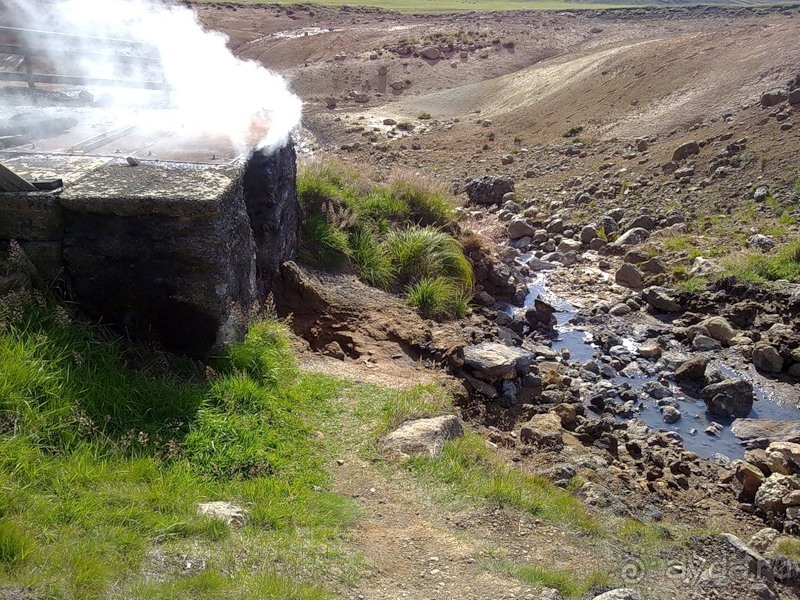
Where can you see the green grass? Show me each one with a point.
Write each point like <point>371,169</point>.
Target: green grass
<point>424,116</point>
<point>466,468</point>
<point>572,131</point>
<point>102,465</point>
<point>757,267</point>
<point>391,231</point>
<point>565,582</point>
<point>693,285</point>
<point>788,547</point>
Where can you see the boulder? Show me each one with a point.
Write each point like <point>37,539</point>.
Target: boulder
<point>761,241</point>
<point>544,431</point>
<point>685,150</point>
<point>568,245</point>
<point>629,276</point>
<point>670,414</point>
<point>660,299</point>
<point>231,513</point>
<point>649,349</point>
<point>541,314</point>
<point>794,96</point>
<point>423,436</point>
<point>719,329</point>
<point>654,265</point>
<point>756,564</point>
<point>693,370</point>
<point>764,538</point>
<point>520,227</point>
<point>773,97</point>
<point>492,361</point>
<point>431,53</point>
<point>770,494</point>
<point>489,190</point>
<point>784,458</point>
<point>729,398</point>
<point>746,480</point>
<point>767,359</point>
<point>588,233</point>
<point>631,237</point>
<point>643,221</point>
<point>768,430</point>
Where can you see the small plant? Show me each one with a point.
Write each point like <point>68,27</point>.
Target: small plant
<point>405,126</point>
<point>762,162</point>
<point>756,268</point>
<point>565,582</point>
<point>426,252</point>
<point>371,259</point>
<point>693,285</point>
<point>572,131</point>
<point>15,543</point>
<point>433,297</point>
<point>323,244</point>
<point>424,116</point>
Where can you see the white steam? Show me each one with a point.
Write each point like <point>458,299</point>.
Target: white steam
<point>213,92</point>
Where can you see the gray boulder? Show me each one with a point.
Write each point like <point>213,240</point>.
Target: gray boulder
<point>544,431</point>
<point>729,398</point>
<point>423,436</point>
<point>631,237</point>
<point>492,361</point>
<point>660,299</point>
<point>620,594</point>
<point>629,276</point>
<point>431,53</point>
<point>588,233</point>
<point>773,97</point>
<point>520,227</point>
<point>794,96</point>
<point>767,359</point>
<point>685,150</point>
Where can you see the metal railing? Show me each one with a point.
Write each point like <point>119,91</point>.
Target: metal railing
<point>31,43</point>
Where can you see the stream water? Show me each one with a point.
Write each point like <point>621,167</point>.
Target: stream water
<point>695,418</point>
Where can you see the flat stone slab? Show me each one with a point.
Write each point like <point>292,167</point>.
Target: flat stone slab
<point>497,361</point>
<point>423,436</point>
<point>768,430</point>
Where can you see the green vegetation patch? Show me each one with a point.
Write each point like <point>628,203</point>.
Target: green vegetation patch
<point>395,233</point>
<point>565,582</point>
<point>102,466</point>
<point>757,267</point>
<point>468,469</point>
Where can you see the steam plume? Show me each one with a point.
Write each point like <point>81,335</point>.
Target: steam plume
<point>212,90</point>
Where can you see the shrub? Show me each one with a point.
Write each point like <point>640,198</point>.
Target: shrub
<point>426,201</point>
<point>433,297</point>
<point>323,244</point>
<point>572,131</point>
<point>424,116</point>
<point>426,252</point>
<point>370,259</point>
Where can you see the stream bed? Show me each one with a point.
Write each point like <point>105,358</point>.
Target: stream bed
<point>695,418</point>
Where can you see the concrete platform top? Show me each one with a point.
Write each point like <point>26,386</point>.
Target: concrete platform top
<point>112,186</point>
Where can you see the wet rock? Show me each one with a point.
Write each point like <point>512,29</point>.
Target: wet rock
<point>543,431</point>
<point>767,359</point>
<point>729,398</point>
<point>492,361</point>
<point>620,310</point>
<point>660,299</point>
<point>489,190</point>
<point>693,370</point>
<point>773,97</point>
<point>634,236</point>
<point>541,315</point>
<point>685,150</point>
<point>656,390</point>
<point>423,436</point>
<point>670,414</point>
<point>629,276</point>
<point>783,457</point>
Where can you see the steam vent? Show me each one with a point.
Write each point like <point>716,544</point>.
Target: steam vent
<point>175,251</point>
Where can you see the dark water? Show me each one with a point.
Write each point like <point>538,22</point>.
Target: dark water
<point>695,418</point>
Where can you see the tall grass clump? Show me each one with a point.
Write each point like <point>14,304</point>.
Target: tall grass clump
<point>393,233</point>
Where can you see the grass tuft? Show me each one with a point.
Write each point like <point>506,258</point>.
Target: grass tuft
<point>541,576</point>
<point>758,267</point>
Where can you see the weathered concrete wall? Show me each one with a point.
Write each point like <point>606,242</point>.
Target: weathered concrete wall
<point>163,250</point>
